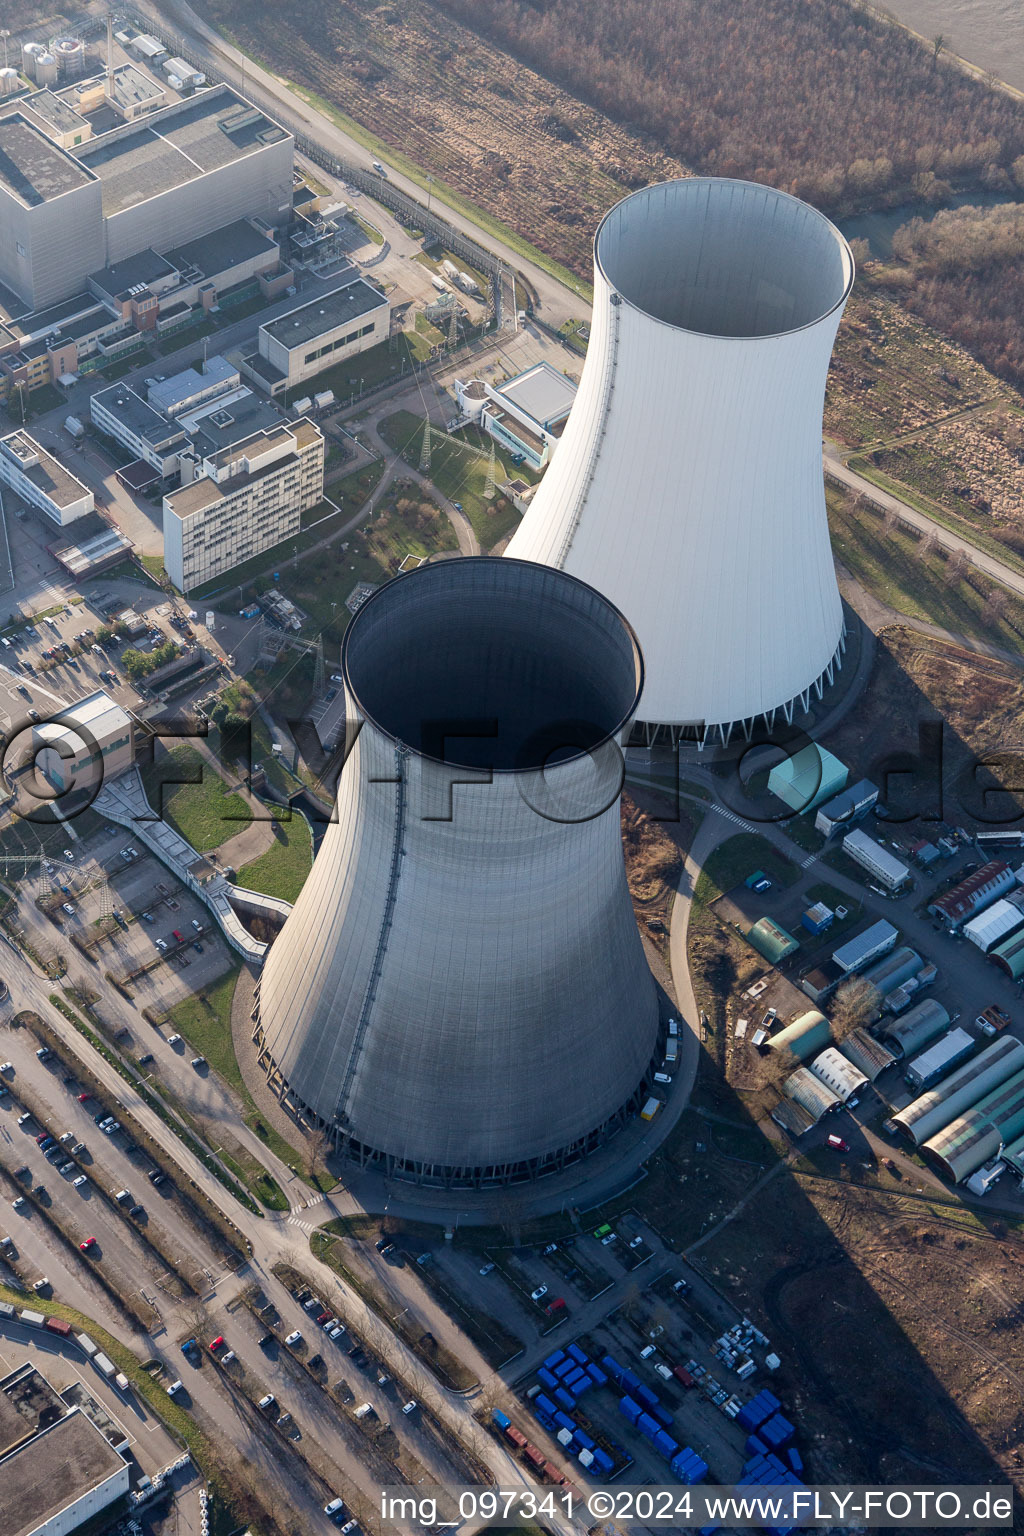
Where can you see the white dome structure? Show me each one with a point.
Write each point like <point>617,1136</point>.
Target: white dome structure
<point>688,484</point>
<point>460,995</point>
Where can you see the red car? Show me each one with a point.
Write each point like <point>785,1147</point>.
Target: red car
<point>218,1343</point>
<point>83,1098</point>
<point>89,1243</point>
<point>43,1136</point>
<point>555,1306</point>
<point>178,935</point>
<point>837,1143</point>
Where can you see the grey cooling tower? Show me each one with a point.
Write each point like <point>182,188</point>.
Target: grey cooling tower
<point>460,993</point>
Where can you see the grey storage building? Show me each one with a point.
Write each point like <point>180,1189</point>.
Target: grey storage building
<point>894,970</point>
<point>937,1108</point>
<point>962,1147</point>
<point>918,1027</point>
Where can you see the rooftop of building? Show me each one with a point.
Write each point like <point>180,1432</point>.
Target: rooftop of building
<point>32,168</point>
<point>223,249</point>
<point>175,145</point>
<point>43,322</point>
<point>336,309</point>
<point>137,416</point>
<point>168,395</point>
<point>95,319</point>
<point>56,1467</point>
<point>97,712</point>
<point>144,268</point>
<point>204,493</point>
<point>54,112</point>
<point>232,423</point>
<point>42,469</point>
<point>541,392</point>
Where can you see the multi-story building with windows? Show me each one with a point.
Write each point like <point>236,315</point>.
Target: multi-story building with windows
<point>89,742</point>
<point>299,345</point>
<point>36,476</point>
<point>246,497</point>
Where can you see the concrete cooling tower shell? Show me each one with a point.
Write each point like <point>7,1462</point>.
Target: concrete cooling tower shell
<point>460,993</point>
<point>688,483</point>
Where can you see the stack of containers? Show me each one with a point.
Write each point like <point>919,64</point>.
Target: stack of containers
<point>776,1432</point>
<point>753,1414</point>
<point>688,1467</point>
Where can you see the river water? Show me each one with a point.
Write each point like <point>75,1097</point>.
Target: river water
<point>987,32</point>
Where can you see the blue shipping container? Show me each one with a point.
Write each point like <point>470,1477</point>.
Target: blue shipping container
<point>564,1422</point>
<point>501,1419</point>
<point>630,1408</point>
<point>663,1416</point>
<point>665,1445</point>
<point>597,1376</point>
<point>643,1394</point>
<point>546,1379</point>
<point>648,1426</point>
<point>545,1404</point>
<point>631,1381</point>
<point>578,1354</point>
<point>565,1368</point>
<point>565,1398</point>
<point>584,1439</point>
<point>572,1377</point>
<point>602,1461</point>
<point>553,1359</point>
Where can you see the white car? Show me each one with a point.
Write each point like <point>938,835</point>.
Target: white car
<point>69,855</point>
<point>410,1406</point>
<point>197,925</point>
<point>66,906</point>
<point>6,1067</point>
<point>174,1388</point>
<point>294,1338</point>
<point>536,1295</point>
<point>647,1352</point>
<point>161,943</point>
<point>66,1136</point>
<point>80,1182</point>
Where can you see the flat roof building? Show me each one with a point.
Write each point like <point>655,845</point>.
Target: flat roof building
<point>875,940</point>
<point>183,391</point>
<point>38,478</point>
<point>245,498</point>
<point>527,413</point>
<point>51,230</point>
<point>132,422</point>
<point>878,861</point>
<point>83,746</point>
<point>846,807</point>
<point>57,1470</point>
<point>302,343</point>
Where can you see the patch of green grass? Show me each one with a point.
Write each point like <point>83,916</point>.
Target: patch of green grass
<point>460,472</point>
<point>732,861</point>
<point>353,490</point>
<point>893,566</point>
<point>371,231</point>
<point>386,361</point>
<point>205,813</point>
<point>282,870</point>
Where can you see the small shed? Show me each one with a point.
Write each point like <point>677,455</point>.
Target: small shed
<point>771,940</point>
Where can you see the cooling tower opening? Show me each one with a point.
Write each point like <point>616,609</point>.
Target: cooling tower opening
<point>493,663</point>
<point>724,258</point>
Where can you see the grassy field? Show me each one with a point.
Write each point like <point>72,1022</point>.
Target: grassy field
<point>282,870</point>
<point>460,474</point>
<point>204,1019</point>
<point>735,859</point>
<point>918,583</point>
<point>388,360</point>
<point>206,813</point>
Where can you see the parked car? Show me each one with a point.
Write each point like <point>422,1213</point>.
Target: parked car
<point>541,1291</point>
<point>294,1338</point>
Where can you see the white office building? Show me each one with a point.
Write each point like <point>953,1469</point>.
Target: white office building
<point>299,345</point>
<point>525,414</point>
<point>36,476</point>
<point>245,498</point>
<point>875,859</point>
<point>85,745</point>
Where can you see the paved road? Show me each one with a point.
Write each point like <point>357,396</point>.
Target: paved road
<point>557,302</point>
<point>999,571</point>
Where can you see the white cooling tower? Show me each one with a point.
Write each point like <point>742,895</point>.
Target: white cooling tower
<point>460,994</point>
<point>688,483</point>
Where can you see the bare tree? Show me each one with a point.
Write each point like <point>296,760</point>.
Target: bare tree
<point>856,1002</point>
<point>927,543</point>
<point>316,1144</point>
<point>995,605</point>
<point>940,42</point>
<point>956,564</point>
<point>891,521</point>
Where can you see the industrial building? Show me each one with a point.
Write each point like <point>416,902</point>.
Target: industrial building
<point>918,1027</point>
<point>846,807</point>
<point>972,895</point>
<point>302,343</point>
<point>460,995</point>
<point>86,744</point>
<point>809,777</point>
<point>837,1072</point>
<point>246,498</point>
<point>878,861</point>
<point>131,421</point>
<point>36,476</point>
<point>805,1036</point>
<point>810,1093</point>
<point>867,1054</point>
<point>525,414</point>
<point>1010,955</point>
<point>927,1115</point>
<point>175,174</point>
<point>895,969</point>
<point>964,1145</point>
<point>868,945</point>
<point>716,304</point>
<point>996,922</point>
<point>939,1058</point>
<point>58,1469</point>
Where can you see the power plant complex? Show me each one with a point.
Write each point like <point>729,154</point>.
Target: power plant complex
<point>688,483</point>
<point>460,994</point>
